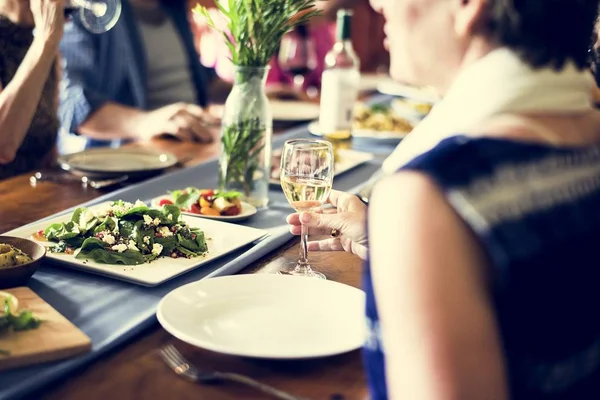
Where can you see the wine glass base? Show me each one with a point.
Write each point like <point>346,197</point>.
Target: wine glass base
<point>299,270</point>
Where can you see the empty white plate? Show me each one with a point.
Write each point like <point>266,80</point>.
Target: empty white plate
<point>266,316</point>
<point>294,110</point>
<point>108,161</point>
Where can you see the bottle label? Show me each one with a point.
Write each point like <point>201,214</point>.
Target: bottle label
<point>339,90</point>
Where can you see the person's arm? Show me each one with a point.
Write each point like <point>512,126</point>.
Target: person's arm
<point>116,121</point>
<point>20,98</point>
<point>82,93</point>
<point>87,110</point>
<point>438,326</point>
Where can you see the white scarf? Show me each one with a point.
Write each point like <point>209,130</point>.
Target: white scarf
<point>498,83</point>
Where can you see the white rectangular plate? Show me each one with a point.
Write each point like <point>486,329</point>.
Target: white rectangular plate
<point>349,159</point>
<point>222,238</point>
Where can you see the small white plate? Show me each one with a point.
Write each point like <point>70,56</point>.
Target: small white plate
<point>349,159</point>
<point>266,316</point>
<point>108,161</point>
<point>248,210</point>
<point>423,94</point>
<point>313,128</point>
<point>294,110</point>
<point>222,238</point>
<point>370,81</point>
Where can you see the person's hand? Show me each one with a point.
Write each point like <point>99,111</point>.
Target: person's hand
<point>184,121</point>
<point>348,218</point>
<point>49,19</point>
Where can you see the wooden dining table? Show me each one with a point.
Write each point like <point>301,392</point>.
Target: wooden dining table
<point>135,371</point>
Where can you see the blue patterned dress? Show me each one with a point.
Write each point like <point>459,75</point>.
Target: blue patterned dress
<point>536,211</point>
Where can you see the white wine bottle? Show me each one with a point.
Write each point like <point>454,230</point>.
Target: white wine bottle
<point>339,83</point>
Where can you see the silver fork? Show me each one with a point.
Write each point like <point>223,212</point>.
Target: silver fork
<point>182,367</point>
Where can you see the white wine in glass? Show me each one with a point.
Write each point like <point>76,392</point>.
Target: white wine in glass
<point>306,180</point>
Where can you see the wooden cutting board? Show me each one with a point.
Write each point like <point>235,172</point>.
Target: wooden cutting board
<point>54,339</point>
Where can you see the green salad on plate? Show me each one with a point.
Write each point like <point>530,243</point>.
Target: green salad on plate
<point>127,234</point>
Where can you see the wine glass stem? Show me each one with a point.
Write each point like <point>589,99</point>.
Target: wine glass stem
<point>303,261</point>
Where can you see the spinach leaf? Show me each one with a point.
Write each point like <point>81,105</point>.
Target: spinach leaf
<point>94,249</point>
<point>138,230</point>
<point>126,228</point>
<point>136,211</point>
<point>78,218</point>
<point>74,242</point>
<point>92,243</point>
<point>145,233</point>
<point>109,224</point>
<point>186,200</point>
<point>168,243</point>
<point>62,231</point>
<point>173,211</point>
<point>186,252</point>
<point>188,243</point>
<point>228,195</point>
<point>200,241</point>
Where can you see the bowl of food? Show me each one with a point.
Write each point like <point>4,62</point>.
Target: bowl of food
<point>19,258</point>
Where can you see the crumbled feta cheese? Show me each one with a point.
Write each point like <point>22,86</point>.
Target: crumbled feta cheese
<point>122,208</point>
<point>147,219</point>
<point>157,248</point>
<point>156,221</point>
<point>165,231</point>
<point>221,204</point>
<point>146,239</point>
<point>108,238</point>
<point>170,217</point>
<point>139,203</point>
<point>132,246</point>
<point>119,247</point>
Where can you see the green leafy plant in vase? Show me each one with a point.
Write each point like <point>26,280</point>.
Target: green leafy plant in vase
<point>253,31</point>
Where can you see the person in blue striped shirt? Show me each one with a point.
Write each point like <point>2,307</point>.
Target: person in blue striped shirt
<point>141,79</point>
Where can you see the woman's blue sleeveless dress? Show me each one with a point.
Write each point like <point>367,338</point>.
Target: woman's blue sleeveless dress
<point>536,211</point>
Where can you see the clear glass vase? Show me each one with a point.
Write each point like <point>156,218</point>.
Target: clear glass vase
<point>246,135</point>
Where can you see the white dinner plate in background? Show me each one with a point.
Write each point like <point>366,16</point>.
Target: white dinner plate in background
<point>423,94</point>
<point>120,161</point>
<point>348,160</point>
<point>284,110</point>
<point>370,134</point>
<point>266,316</point>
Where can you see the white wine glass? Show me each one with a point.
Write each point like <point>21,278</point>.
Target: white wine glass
<point>306,180</point>
<point>97,16</point>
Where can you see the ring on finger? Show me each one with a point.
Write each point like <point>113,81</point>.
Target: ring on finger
<point>335,233</point>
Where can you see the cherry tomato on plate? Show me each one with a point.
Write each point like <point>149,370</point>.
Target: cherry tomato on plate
<point>195,208</point>
<point>162,202</point>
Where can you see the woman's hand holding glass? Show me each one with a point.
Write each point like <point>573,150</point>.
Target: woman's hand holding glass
<point>345,224</point>
<point>306,179</point>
